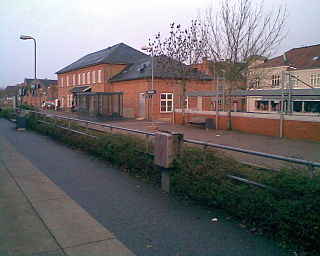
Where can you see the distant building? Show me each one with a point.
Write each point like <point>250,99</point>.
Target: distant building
<point>303,65</point>
<point>35,92</point>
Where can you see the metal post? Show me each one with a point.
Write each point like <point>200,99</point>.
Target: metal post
<point>69,124</point>
<point>310,170</point>
<point>282,104</point>
<point>147,143</point>
<point>152,87</point>
<point>290,95</point>
<point>217,101</point>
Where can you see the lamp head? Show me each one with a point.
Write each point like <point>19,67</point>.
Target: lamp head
<point>25,37</point>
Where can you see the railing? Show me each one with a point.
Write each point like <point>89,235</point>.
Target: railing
<point>310,164</point>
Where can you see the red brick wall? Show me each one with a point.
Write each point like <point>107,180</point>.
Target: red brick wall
<point>132,89</point>
<point>301,130</point>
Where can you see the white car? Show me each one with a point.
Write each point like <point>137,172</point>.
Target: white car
<point>48,105</point>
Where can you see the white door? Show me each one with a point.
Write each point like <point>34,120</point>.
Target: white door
<point>142,105</point>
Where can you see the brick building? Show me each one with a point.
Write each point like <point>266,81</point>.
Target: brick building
<point>121,68</point>
<point>35,92</point>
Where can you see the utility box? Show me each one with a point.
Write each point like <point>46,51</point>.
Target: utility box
<point>163,153</point>
<point>21,123</point>
<point>210,124</point>
<point>168,145</point>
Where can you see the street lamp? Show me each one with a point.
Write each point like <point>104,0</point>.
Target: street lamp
<point>149,48</point>
<point>23,37</point>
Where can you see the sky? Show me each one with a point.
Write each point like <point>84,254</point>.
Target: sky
<point>66,30</point>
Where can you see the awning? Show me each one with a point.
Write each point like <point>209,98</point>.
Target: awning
<point>80,89</point>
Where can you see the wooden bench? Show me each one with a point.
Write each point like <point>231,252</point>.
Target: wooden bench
<point>198,120</point>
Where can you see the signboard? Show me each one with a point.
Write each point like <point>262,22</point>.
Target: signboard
<point>151,92</point>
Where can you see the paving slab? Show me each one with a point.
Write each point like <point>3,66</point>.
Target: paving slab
<point>22,232</point>
<point>39,188</point>
<point>69,223</point>
<point>110,247</point>
<point>9,191</point>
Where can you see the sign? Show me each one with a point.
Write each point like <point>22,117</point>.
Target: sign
<point>151,92</point>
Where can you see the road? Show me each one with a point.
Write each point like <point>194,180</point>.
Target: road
<point>146,220</point>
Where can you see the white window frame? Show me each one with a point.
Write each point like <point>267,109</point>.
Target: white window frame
<point>275,81</point>
<point>83,78</point>
<point>62,81</point>
<point>88,78</point>
<point>99,76</point>
<point>79,79</point>
<point>315,79</point>
<point>73,80</point>
<point>166,100</point>
<point>67,80</point>
<point>94,77</point>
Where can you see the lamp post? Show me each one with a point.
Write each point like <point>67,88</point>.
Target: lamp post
<point>23,37</point>
<point>149,48</point>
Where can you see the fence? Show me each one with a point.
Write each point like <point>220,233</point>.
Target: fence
<point>310,164</point>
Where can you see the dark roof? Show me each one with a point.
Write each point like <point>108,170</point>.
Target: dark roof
<point>141,69</point>
<point>12,90</point>
<point>80,89</point>
<point>300,58</point>
<point>45,82</point>
<point>117,54</point>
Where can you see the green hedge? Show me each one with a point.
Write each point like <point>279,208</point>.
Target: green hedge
<point>289,211</point>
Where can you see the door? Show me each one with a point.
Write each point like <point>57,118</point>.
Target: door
<point>142,105</point>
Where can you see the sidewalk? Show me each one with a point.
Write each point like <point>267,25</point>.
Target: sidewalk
<point>38,218</point>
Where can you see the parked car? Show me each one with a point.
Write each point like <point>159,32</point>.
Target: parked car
<point>48,105</point>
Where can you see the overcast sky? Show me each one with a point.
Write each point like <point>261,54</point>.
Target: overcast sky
<point>66,30</point>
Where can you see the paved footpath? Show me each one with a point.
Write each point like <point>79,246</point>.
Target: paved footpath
<point>57,201</point>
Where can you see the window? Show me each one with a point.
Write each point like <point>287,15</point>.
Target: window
<point>294,80</point>
<point>62,81</point>
<point>69,100</point>
<point>79,79</point>
<point>275,80</point>
<point>83,78</point>
<point>93,77</point>
<point>220,101</point>
<point>88,78</point>
<point>74,80</point>
<point>99,76</point>
<point>166,102</point>
<point>315,79</point>
<point>67,80</point>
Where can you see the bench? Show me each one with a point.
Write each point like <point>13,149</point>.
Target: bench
<point>197,121</point>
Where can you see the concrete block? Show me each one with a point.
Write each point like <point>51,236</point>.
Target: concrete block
<point>69,223</point>
<point>23,233</point>
<point>110,247</point>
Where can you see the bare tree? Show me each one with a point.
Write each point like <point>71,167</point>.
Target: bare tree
<point>237,36</point>
<point>177,54</point>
